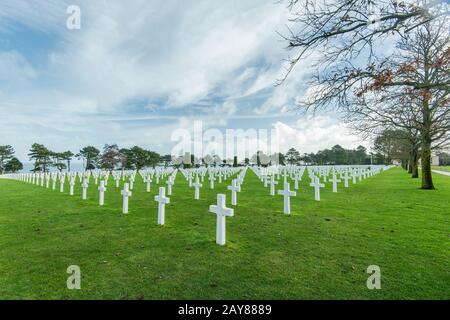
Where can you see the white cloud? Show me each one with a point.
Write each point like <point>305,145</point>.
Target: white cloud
<point>15,69</point>
<point>315,133</point>
<point>181,52</point>
<point>203,53</point>
<point>46,17</point>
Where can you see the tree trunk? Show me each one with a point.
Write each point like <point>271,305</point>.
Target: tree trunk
<point>410,163</point>
<point>414,164</point>
<point>404,164</point>
<point>427,178</point>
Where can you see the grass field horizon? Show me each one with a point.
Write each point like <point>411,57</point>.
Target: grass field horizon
<point>321,251</point>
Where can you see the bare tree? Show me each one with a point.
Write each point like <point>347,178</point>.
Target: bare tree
<point>409,90</point>
<point>344,29</point>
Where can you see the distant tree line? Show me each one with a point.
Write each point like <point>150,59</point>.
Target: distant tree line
<point>337,155</point>
<point>388,146</point>
<point>110,158</point>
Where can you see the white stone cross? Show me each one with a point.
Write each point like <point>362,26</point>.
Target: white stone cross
<point>101,189</point>
<point>221,211</point>
<point>296,179</point>
<point>334,180</point>
<point>53,181</point>
<point>131,182</point>
<point>272,185</point>
<point>61,184</point>
<point>126,193</point>
<point>286,193</point>
<point>162,201</point>
<point>84,186</point>
<point>235,187</point>
<point>71,184</point>
<point>169,185</point>
<point>324,175</point>
<point>346,177</point>
<point>148,180</point>
<point>197,187</point>
<point>211,181</point>
<point>317,185</point>
<point>95,174</point>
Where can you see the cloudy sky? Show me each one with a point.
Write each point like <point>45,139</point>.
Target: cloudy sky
<point>138,70</point>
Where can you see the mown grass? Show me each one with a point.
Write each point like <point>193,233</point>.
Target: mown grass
<point>320,251</point>
<point>441,168</point>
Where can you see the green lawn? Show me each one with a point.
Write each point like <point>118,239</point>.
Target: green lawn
<point>441,168</point>
<point>320,251</point>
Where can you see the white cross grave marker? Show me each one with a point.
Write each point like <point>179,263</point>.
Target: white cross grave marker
<point>53,182</point>
<point>101,189</point>
<point>72,184</point>
<point>169,186</point>
<point>296,179</point>
<point>131,182</point>
<point>148,180</point>
<point>211,181</point>
<point>162,201</point>
<point>61,184</point>
<point>286,193</point>
<point>126,193</point>
<point>346,178</point>
<point>84,186</point>
<point>334,180</point>
<point>317,185</point>
<point>197,187</point>
<point>221,211</point>
<point>234,189</point>
<point>272,185</point>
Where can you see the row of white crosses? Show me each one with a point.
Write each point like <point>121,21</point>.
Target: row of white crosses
<point>219,209</point>
<point>84,177</point>
<point>293,172</point>
<point>267,176</point>
<point>197,175</point>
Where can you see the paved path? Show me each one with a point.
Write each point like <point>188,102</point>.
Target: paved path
<point>441,172</point>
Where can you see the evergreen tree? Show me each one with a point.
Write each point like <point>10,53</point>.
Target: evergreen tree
<point>13,165</point>
<point>41,157</point>
<point>6,153</point>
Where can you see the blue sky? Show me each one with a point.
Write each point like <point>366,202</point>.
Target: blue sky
<point>138,70</point>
